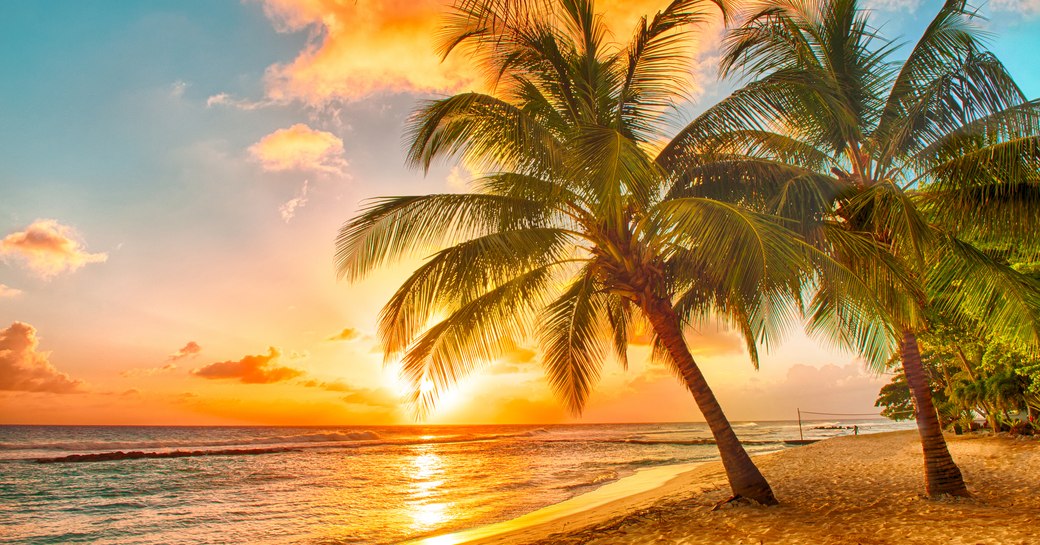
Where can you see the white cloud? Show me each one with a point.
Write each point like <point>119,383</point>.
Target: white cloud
<point>224,99</point>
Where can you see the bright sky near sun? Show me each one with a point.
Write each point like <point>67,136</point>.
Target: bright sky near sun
<point>172,177</point>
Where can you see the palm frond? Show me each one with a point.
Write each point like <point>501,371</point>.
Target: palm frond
<point>619,317</point>
<point>573,333</point>
<point>390,228</point>
<point>484,131</point>
<point>951,33</point>
<point>744,252</point>
<point>457,275</point>
<point>969,285</point>
<point>971,90</point>
<point>473,335</point>
<point>611,167</point>
<point>657,65</point>
<point>890,214</point>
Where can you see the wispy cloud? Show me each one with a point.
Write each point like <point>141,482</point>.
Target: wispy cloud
<point>24,368</point>
<point>301,148</point>
<point>8,291</point>
<point>373,397</point>
<point>908,6</point>
<point>224,99</point>
<point>288,208</point>
<point>148,371</point>
<point>48,248</point>
<point>1028,8</point>
<point>189,350</point>
<point>178,88</point>
<point>458,178</point>
<point>256,369</point>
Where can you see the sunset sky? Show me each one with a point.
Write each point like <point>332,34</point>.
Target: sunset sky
<point>172,177</point>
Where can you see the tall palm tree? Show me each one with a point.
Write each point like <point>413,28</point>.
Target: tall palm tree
<point>927,155</point>
<point>574,236</point>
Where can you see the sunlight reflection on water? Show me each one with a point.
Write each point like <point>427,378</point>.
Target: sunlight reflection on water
<point>427,514</point>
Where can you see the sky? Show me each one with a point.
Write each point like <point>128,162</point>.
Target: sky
<point>172,178</point>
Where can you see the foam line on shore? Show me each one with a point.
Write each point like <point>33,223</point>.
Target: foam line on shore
<point>632,488</point>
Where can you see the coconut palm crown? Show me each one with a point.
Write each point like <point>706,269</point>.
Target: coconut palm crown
<point>574,237</point>
<point>930,156</point>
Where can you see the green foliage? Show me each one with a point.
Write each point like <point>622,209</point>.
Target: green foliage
<point>973,374</point>
<point>895,400</point>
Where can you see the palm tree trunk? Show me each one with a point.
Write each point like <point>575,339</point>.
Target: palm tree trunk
<point>943,475</point>
<point>745,479</point>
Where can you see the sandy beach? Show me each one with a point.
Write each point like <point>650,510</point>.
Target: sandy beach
<point>863,490</point>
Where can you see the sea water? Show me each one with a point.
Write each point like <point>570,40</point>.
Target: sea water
<point>334,485</point>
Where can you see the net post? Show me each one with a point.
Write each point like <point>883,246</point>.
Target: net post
<point>800,437</point>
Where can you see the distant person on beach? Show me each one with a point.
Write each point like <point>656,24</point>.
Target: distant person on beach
<point>855,430</point>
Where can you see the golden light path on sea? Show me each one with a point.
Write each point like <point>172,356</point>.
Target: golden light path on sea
<point>427,466</point>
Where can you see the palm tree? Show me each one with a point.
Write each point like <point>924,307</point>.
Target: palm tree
<point>574,236</point>
<point>928,156</point>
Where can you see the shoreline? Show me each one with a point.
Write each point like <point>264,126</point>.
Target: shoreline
<point>612,499</point>
<point>857,489</point>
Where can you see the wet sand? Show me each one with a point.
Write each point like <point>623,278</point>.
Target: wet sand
<point>857,490</point>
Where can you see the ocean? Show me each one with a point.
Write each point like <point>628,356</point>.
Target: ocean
<point>328,485</point>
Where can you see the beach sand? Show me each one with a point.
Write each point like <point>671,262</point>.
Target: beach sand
<point>857,490</point>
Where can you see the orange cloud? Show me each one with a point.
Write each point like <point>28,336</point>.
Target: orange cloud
<point>348,334</point>
<point>516,359</point>
<point>300,147</point>
<point>48,248</point>
<point>24,368</point>
<point>7,291</point>
<point>358,49</point>
<point>257,369</point>
<point>190,349</point>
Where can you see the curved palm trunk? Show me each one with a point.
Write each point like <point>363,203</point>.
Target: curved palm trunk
<point>745,479</point>
<point>943,475</point>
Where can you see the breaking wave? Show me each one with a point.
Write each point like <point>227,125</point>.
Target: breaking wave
<point>304,438</point>
<point>137,454</point>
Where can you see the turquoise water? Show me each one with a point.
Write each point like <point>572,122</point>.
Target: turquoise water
<point>372,485</point>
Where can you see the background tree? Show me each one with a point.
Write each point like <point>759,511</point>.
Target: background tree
<point>927,155</point>
<point>971,374</point>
